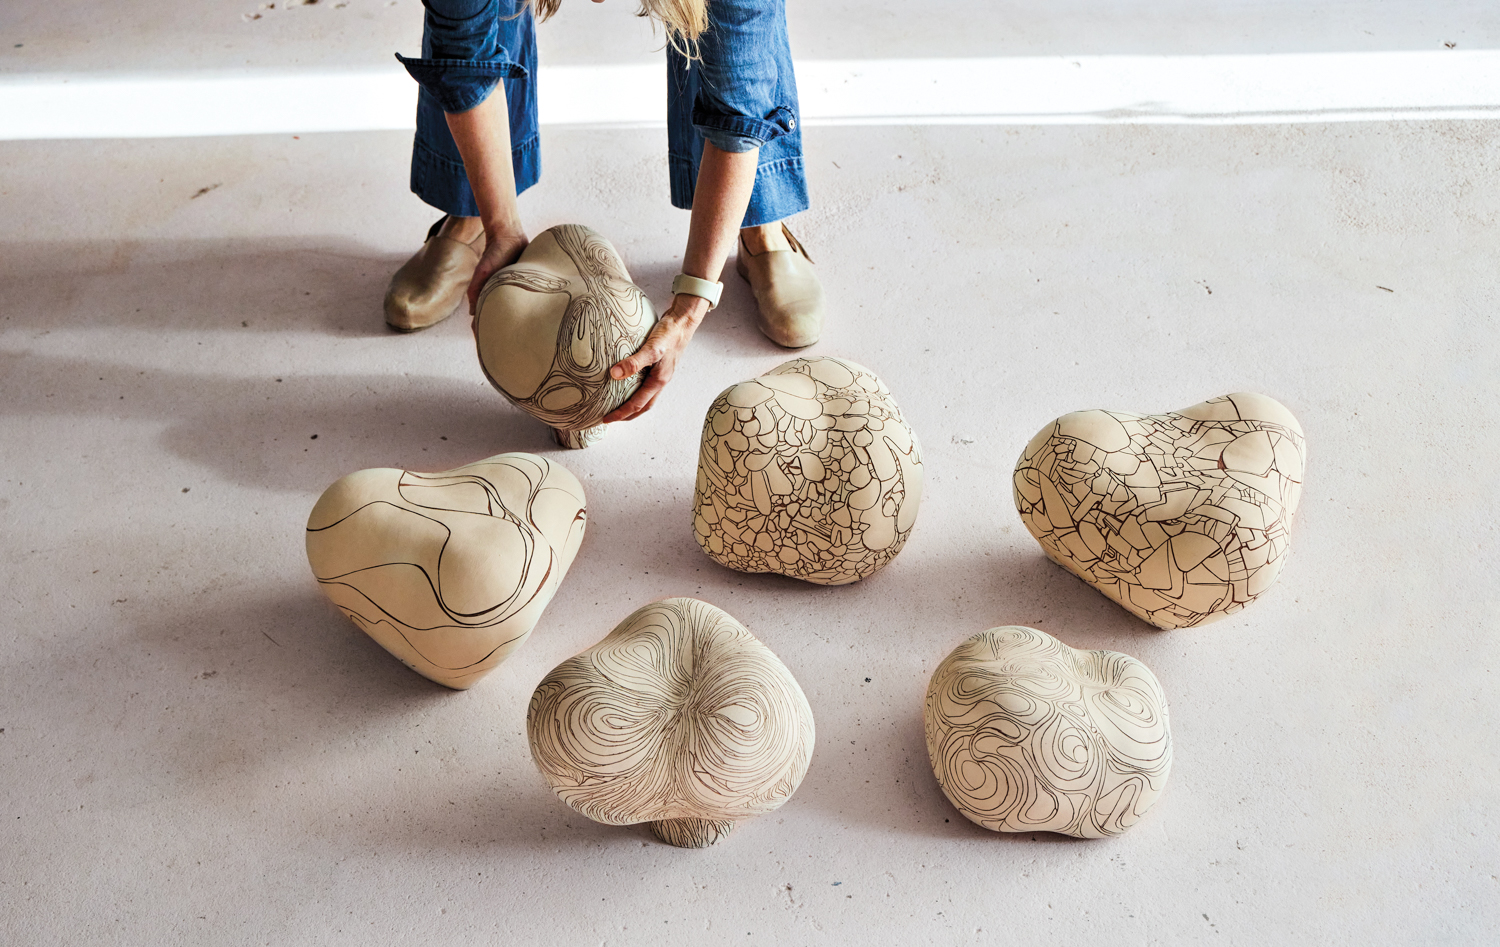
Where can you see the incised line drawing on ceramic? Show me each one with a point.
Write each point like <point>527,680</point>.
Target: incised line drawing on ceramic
<point>810,471</point>
<point>549,327</point>
<point>1182,518</point>
<point>679,717</point>
<point>1026,734</point>
<point>448,571</point>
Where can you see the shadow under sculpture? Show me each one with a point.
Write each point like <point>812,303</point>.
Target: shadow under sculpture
<point>1181,518</point>
<point>809,471</point>
<point>551,325</point>
<point>1026,734</point>
<point>679,717</point>
<point>448,571</point>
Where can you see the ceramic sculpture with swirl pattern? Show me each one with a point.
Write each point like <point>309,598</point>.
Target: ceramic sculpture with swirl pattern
<point>810,471</point>
<point>549,327</point>
<point>1181,518</point>
<point>679,717</point>
<point>448,571</point>
<point>1027,734</point>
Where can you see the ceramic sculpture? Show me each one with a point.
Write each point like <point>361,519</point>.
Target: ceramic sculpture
<point>448,571</point>
<point>1027,734</point>
<point>549,327</point>
<point>1181,518</point>
<point>679,718</point>
<point>809,471</point>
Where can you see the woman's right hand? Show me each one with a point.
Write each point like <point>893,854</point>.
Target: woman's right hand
<point>500,250</point>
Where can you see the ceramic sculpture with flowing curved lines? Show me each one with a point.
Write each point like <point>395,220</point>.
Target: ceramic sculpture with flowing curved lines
<point>1027,734</point>
<point>810,471</point>
<point>448,571</point>
<point>679,717</point>
<point>1181,518</point>
<point>549,327</point>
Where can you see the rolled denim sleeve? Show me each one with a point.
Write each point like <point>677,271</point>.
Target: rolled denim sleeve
<point>462,56</point>
<point>743,99</point>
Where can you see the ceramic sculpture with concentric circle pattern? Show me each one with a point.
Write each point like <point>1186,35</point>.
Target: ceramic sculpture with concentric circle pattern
<point>680,718</point>
<point>1027,734</point>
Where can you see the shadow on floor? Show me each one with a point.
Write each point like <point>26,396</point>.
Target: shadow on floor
<point>278,433</point>
<point>285,693</point>
<point>328,284</point>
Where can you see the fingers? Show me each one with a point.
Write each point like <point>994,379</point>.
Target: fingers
<point>645,396</point>
<point>475,285</point>
<point>638,403</point>
<point>644,357</point>
<point>489,264</point>
<point>651,352</point>
<point>660,352</point>
<point>497,255</point>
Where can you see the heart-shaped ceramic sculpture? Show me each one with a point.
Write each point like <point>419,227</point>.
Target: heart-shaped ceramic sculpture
<point>448,571</point>
<point>1027,734</point>
<point>679,718</point>
<point>809,471</point>
<point>549,327</point>
<point>1181,518</point>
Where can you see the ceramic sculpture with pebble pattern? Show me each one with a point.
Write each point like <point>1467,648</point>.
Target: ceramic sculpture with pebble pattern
<point>1026,734</point>
<point>810,471</point>
<point>549,327</point>
<point>679,717</point>
<point>448,571</point>
<point>1181,518</point>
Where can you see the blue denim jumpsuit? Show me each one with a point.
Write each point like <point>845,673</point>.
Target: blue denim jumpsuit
<point>739,94</point>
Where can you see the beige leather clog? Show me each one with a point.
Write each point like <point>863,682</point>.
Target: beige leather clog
<point>431,285</point>
<point>788,296</point>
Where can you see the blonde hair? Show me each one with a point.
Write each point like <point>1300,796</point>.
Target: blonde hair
<point>684,20</point>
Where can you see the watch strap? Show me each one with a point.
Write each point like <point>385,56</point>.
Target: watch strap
<point>693,286</point>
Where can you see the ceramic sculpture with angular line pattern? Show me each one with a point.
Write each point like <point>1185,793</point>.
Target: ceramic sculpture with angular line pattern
<point>448,571</point>
<point>1181,518</point>
<point>1026,734</point>
<point>549,327</point>
<point>809,471</point>
<point>679,718</point>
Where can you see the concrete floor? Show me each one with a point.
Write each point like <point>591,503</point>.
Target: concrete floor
<point>196,748</point>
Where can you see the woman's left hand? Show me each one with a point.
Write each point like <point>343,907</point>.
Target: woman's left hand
<point>659,353</point>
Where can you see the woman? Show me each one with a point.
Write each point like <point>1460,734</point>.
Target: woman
<point>735,153</point>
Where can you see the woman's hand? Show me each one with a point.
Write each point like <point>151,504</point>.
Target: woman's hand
<point>658,355</point>
<point>483,138</point>
<point>500,250</point>
<point>725,180</point>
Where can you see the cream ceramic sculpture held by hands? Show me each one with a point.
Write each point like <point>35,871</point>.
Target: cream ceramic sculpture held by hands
<point>448,571</point>
<point>679,718</point>
<point>1027,734</point>
<point>549,327</point>
<point>809,471</point>
<point>1182,518</point>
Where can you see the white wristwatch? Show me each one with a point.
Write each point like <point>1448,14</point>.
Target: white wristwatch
<point>693,286</point>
